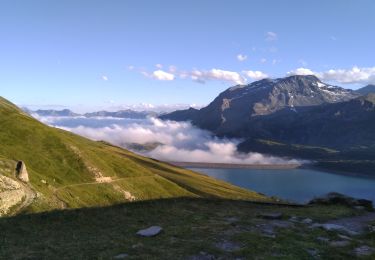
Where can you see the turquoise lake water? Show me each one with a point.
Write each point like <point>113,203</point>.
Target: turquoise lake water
<point>297,185</point>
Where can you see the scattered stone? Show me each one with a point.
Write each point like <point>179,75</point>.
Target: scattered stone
<point>227,246</point>
<point>275,215</point>
<point>364,251</point>
<point>43,181</point>
<point>282,224</point>
<point>232,220</point>
<point>307,221</point>
<point>121,256</point>
<point>150,232</point>
<point>294,219</point>
<point>137,245</point>
<point>323,239</point>
<point>344,237</point>
<point>337,198</point>
<point>334,227</point>
<point>371,229</point>
<point>340,243</point>
<point>202,256</point>
<point>267,230</point>
<point>313,252</point>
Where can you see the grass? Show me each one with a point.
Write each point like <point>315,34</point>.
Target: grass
<point>190,226</point>
<point>63,168</point>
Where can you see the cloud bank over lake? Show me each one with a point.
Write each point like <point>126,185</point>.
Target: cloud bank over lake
<point>180,141</point>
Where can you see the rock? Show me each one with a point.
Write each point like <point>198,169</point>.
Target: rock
<point>344,237</point>
<point>227,246</point>
<point>275,215</point>
<point>337,198</point>
<point>43,181</point>
<point>371,229</point>
<point>313,252</point>
<point>307,221</point>
<point>364,251</point>
<point>340,243</point>
<point>294,219</point>
<point>232,220</point>
<point>334,227</point>
<point>267,230</point>
<point>150,232</point>
<point>121,256</point>
<point>282,224</point>
<point>22,173</point>
<point>202,256</point>
<point>323,239</point>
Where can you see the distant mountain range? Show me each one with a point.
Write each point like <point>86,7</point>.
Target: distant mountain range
<point>296,110</point>
<point>128,113</point>
<point>366,90</point>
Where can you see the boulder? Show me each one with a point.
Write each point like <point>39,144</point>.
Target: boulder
<point>150,232</point>
<point>22,173</point>
<point>364,251</point>
<point>335,227</point>
<point>275,215</point>
<point>335,198</point>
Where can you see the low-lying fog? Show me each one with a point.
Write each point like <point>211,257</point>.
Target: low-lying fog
<point>181,141</point>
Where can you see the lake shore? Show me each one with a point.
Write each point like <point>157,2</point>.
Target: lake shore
<point>236,165</point>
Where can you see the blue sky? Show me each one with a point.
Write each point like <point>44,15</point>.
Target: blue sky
<point>104,54</point>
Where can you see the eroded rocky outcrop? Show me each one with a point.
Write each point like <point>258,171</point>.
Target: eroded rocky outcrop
<point>21,172</point>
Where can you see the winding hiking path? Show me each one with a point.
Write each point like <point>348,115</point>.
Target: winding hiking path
<point>30,196</point>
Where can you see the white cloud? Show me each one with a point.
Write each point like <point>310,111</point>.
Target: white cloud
<point>104,77</point>
<point>172,69</point>
<point>300,71</point>
<point>255,75</point>
<point>263,60</point>
<point>271,36</point>
<point>214,74</point>
<point>181,141</point>
<point>162,75</point>
<point>303,62</point>
<point>159,66</point>
<point>344,76</point>
<point>241,57</point>
<point>350,76</point>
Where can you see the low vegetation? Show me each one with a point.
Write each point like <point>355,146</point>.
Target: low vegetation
<point>192,229</point>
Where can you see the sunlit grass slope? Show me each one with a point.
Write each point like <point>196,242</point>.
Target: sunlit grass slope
<point>69,171</point>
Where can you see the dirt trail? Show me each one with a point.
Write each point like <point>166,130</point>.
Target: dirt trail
<point>30,196</point>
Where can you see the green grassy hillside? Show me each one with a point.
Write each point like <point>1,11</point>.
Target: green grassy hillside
<point>69,171</point>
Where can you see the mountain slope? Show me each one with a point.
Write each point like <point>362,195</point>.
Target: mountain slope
<point>231,112</point>
<point>343,126</point>
<point>68,171</point>
<point>366,90</point>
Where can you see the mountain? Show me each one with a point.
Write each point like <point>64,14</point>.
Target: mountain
<point>235,110</point>
<point>342,126</point>
<point>297,116</point>
<point>51,112</point>
<point>69,171</point>
<point>128,113</point>
<point>366,90</point>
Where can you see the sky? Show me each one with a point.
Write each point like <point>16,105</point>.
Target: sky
<point>97,54</point>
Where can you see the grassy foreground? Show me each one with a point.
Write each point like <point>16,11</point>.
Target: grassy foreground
<point>192,229</point>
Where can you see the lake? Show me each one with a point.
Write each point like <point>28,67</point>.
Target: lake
<point>295,185</point>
